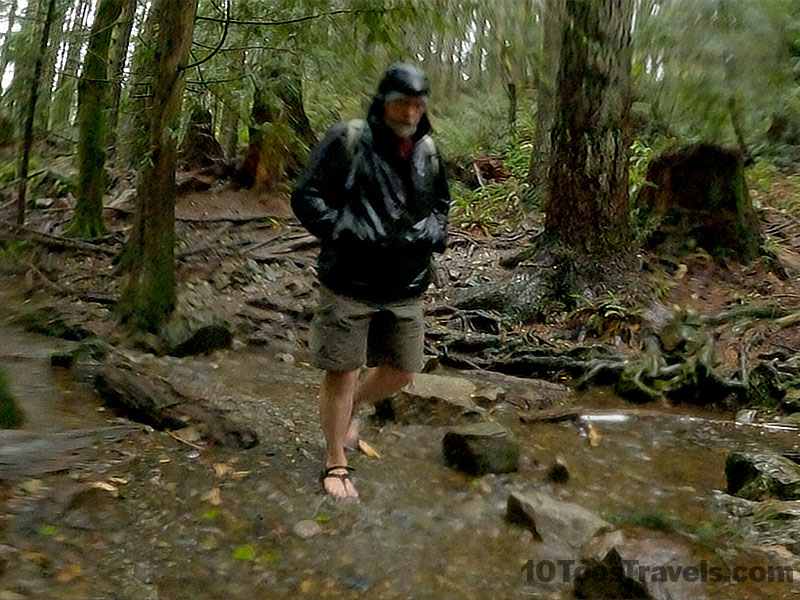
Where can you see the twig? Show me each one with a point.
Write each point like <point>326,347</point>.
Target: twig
<point>175,436</point>
<point>787,321</point>
<point>232,219</point>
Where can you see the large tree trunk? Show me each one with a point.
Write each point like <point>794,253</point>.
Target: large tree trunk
<point>552,19</point>
<point>93,100</point>
<point>588,201</point>
<point>119,52</point>
<point>149,296</point>
<point>27,138</point>
<point>279,122</point>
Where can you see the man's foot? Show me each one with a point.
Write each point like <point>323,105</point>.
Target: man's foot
<point>337,483</point>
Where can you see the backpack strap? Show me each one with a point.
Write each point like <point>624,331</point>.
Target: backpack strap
<point>355,129</point>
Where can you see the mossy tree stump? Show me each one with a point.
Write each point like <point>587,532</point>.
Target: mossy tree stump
<point>697,196</point>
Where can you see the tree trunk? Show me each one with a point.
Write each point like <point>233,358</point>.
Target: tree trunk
<point>93,100</point>
<point>149,296</point>
<point>27,138</point>
<point>66,86</point>
<point>118,55</point>
<point>49,68</point>
<point>134,128</point>
<point>588,201</point>
<point>553,17</point>
<point>4,57</point>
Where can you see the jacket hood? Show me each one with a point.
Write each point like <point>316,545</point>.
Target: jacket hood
<point>408,80</point>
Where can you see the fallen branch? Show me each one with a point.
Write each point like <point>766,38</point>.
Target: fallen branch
<point>230,218</point>
<point>53,241</point>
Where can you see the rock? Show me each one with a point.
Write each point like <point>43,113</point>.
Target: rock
<point>48,321</point>
<point>431,400</point>
<point>746,416</point>
<point>757,476</point>
<point>558,473</point>
<point>306,529</point>
<point>489,395</point>
<point>90,506</point>
<point>641,569</point>
<point>791,402</point>
<point>193,183</point>
<point>551,520</point>
<point>481,448</point>
<point>190,331</point>
<point>11,414</point>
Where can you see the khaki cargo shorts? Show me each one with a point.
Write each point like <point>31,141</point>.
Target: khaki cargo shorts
<point>347,333</point>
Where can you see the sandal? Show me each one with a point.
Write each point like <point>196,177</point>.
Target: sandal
<point>343,476</point>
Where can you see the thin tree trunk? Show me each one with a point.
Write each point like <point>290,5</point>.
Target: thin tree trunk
<point>49,68</point>
<point>588,200</point>
<point>66,86</point>
<point>4,56</point>
<point>134,128</point>
<point>118,55</point>
<point>149,296</point>
<point>27,138</point>
<point>93,105</point>
<point>552,19</point>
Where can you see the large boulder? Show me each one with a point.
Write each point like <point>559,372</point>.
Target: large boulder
<point>697,196</point>
<point>481,448</point>
<point>554,521</point>
<point>430,400</point>
<point>760,475</point>
<point>653,569</point>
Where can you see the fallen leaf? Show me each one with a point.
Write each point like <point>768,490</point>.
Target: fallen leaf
<point>240,474</point>
<point>367,449</point>
<point>307,586</point>
<point>119,480</point>
<point>214,496</point>
<point>222,470</point>
<point>69,573</point>
<point>102,485</point>
<point>593,437</point>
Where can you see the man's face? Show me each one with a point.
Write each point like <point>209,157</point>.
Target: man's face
<point>403,115</point>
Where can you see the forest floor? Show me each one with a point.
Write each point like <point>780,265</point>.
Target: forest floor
<point>95,505</point>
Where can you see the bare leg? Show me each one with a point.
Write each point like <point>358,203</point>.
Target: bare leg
<point>335,407</point>
<point>377,384</point>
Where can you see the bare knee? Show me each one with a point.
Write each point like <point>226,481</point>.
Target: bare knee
<point>397,378</point>
<point>339,382</point>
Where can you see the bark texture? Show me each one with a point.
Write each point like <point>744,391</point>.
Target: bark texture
<point>93,104</point>
<point>588,204</point>
<point>150,293</point>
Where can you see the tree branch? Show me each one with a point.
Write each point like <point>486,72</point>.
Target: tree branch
<point>222,39</point>
<point>298,19</point>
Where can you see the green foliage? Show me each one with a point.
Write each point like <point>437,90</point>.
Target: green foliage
<point>10,413</point>
<point>488,208</point>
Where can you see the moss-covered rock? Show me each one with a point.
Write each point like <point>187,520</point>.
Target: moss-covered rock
<point>10,413</point>
<point>759,476</point>
<point>48,321</point>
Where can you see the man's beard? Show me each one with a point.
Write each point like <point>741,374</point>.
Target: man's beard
<point>402,130</point>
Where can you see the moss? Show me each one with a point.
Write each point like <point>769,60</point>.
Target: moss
<point>10,413</point>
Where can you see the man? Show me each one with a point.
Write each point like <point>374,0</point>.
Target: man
<point>375,195</point>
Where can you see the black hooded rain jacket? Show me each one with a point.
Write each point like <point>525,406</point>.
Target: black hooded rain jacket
<point>378,217</point>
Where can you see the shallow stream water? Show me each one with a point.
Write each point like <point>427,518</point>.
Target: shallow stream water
<point>223,523</point>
